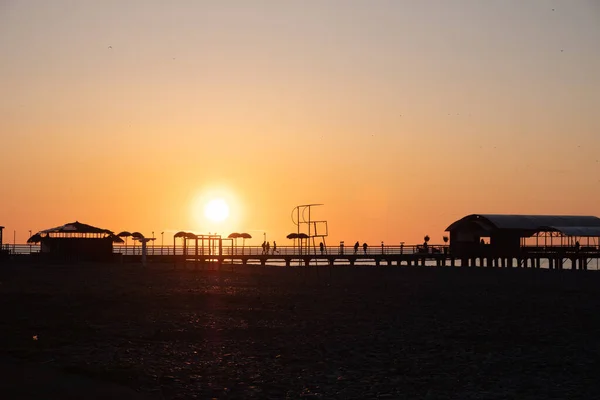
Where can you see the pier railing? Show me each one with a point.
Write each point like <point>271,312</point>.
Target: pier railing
<point>246,250</point>
<point>169,250</point>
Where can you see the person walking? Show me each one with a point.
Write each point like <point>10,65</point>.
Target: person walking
<point>365,246</point>
<point>356,247</point>
<point>274,247</point>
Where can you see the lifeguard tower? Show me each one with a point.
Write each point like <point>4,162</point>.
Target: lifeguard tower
<point>313,229</point>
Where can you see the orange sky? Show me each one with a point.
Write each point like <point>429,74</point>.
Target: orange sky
<point>400,116</point>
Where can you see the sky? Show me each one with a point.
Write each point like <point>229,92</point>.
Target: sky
<point>399,116</point>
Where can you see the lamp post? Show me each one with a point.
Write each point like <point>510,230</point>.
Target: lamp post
<point>162,240</point>
<point>30,243</point>
<point>152,242</point>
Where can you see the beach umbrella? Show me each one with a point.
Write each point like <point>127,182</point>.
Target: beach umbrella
<point>244,236</point>
<point>37,238</point>
<point>116,239</point>
<point>298,236</point>
<point>135,236</point>
<point>125,235</point>
<point>234,236</point>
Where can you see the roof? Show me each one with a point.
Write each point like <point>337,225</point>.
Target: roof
<point>570,225</point>
<point>76,227</point>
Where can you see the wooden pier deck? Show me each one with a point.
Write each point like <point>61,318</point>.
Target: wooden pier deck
<point>548,257</point>
<point>555,258</point>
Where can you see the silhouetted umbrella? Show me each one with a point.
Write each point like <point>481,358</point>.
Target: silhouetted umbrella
<point>35,238</point>
<point>124,234</point>
<point>116,239</point>
<point>234,236</point>
<point>298,236</point>
<point>136,236</point>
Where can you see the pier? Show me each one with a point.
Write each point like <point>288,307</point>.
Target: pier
<point>475,241</point>
<point>549,257</point>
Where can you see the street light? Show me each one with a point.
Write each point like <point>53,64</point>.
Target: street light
<point>162,240</point>
<point>152,242</point>
<point>29,242</point>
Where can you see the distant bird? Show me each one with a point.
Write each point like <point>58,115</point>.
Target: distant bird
<point>553,9</point>
<point>110,47</point>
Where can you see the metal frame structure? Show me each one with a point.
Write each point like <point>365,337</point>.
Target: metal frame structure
<point>301,221</point>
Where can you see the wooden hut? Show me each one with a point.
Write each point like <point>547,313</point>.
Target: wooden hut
<point>76,241</point>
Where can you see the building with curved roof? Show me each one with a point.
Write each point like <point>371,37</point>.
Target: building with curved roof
<point>76,241</point>
<point>505,231</point>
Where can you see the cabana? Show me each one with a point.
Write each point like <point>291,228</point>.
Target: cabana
<point>76,241</point>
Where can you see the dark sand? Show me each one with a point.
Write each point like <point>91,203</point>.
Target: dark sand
<point>280,333</point>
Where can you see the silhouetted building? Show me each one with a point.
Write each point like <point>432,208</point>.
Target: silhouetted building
<point>505,233</point>
<point>76,242</point>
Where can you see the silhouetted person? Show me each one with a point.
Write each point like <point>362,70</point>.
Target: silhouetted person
<point>577,245</point>
<point>264,247</point>
<point>268,246</point>
<point>425,247</point>
<point>341,247</point>
<point>365,246</point>
<point>274,246</point>
<point>356,247</point>
<point>482,242</point>
<point>321,247</point>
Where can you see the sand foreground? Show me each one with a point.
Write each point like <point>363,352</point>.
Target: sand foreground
<point>272,332</point>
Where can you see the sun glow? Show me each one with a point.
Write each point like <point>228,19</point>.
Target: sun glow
<point>216,210</point>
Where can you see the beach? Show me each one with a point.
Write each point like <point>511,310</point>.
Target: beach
<point>161,332</point>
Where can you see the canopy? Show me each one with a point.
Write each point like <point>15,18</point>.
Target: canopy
<point>76,227</point>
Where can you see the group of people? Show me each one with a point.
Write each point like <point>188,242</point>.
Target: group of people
<point>357,245</point>
<point>365,246</point>
<point>266,247</point>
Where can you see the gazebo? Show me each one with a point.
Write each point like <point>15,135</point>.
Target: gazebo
<point>76,241</point>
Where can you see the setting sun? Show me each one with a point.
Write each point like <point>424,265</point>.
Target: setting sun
<point>216,210</point>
